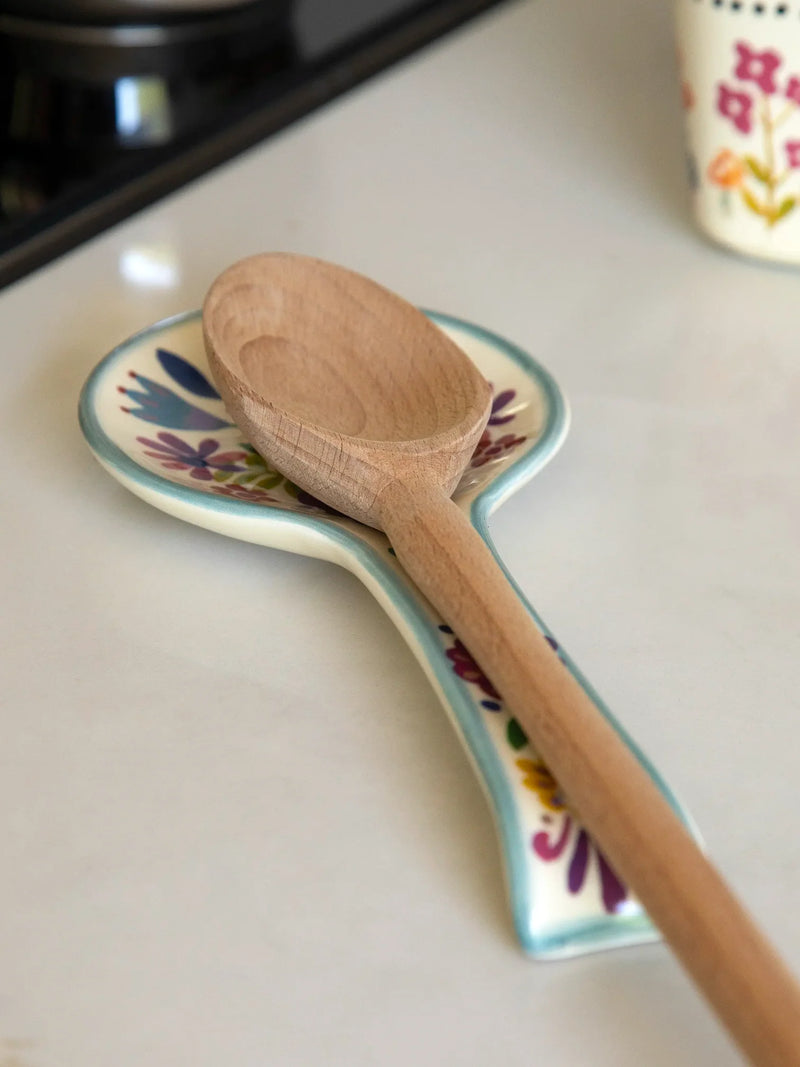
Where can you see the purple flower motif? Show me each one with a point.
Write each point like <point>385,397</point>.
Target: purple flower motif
<point>564,833</point>
<point>793,90</point>
<point>499,402</point>
<point>612,890</point>
<point>466,667</point>
<point>758,67</point>
<point>736,106</point>
<point>793,153</point>
<point>177,455</point>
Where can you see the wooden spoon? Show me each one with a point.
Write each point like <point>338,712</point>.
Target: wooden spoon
<point>358,398</point>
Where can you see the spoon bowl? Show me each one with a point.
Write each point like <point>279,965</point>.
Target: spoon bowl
<point>320,411</point>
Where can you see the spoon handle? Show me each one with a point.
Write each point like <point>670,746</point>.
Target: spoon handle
<point>716,940</point>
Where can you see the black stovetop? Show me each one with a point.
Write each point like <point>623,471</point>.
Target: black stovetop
<point>51,202</point>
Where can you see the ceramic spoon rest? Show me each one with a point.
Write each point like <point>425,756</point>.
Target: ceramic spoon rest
<point>156,423</point>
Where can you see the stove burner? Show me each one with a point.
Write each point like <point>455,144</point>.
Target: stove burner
<point>74,92</point>
<point>118,11</point>
<point>100,116</point>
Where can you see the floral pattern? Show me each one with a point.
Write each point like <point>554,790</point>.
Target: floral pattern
<point>200,461</point>
<point>466,667</point>
<point>244,467</point>
<point>490,448</point>
<point>164,407</point>
<point>738,107</point>
<point>561,837</point>
<point>253,472</point>
<point>726,169</point>
<point>793,90</point>
<point>502,400</point>
<point>244,492</point>
<point>792,149</point>
<point>758,67</point>
<point>760,103</point>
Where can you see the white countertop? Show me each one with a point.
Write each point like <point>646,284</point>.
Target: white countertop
<point>237,826</point>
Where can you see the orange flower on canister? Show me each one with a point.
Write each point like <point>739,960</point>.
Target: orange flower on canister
<point>726,169</point>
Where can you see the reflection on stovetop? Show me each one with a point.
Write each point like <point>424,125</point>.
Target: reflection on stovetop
<point>98,119</point>
<point>81,97</point>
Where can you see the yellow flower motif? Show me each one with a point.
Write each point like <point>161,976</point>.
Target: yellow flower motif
<point>540,781</point>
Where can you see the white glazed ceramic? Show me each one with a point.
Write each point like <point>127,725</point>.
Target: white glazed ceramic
<point>155,422</point>
<point>740,75</point>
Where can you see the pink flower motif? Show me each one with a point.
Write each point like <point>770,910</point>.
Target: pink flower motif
<point>758,67</point>
<point>793,90</point>
<point>466,667</point>
<point>489,449</point>
<point>736,106</point>
<point>793,153</point>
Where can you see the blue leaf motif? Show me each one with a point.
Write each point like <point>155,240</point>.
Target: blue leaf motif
<point>161,406</point>
<point>186,374</point>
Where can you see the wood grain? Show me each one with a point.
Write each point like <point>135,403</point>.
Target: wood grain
<point>716,940</point>
<point>341,383</point>
<point>358,398</point>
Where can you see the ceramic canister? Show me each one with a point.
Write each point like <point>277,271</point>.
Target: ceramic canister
<point>740,74</point>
